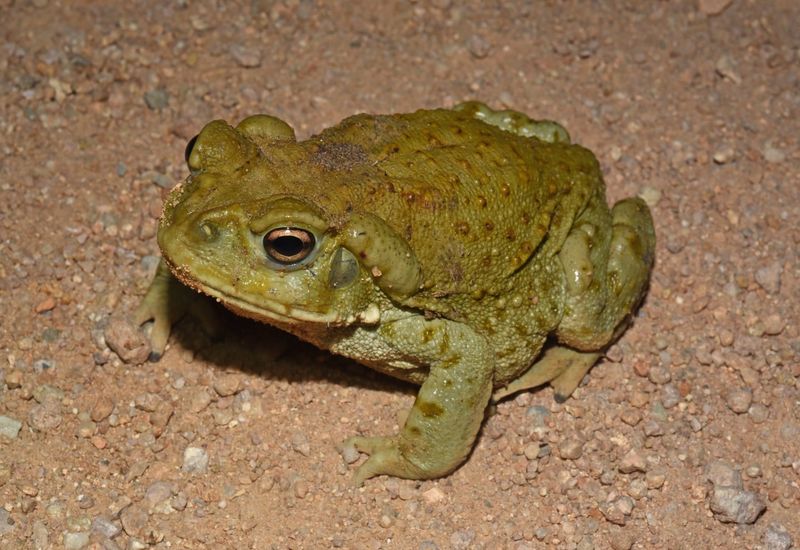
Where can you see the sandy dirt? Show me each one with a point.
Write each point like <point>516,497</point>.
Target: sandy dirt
<point>687,435</point>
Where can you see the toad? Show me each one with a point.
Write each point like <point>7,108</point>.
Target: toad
<point>444,247</point>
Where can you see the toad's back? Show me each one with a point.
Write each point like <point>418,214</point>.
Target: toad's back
<point>475,201</point>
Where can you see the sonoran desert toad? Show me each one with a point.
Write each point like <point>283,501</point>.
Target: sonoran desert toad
<point>443,247</point>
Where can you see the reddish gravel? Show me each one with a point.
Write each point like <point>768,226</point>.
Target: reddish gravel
<point>686,436</point>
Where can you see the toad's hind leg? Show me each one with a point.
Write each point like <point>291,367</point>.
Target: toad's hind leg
<point>606,279</point>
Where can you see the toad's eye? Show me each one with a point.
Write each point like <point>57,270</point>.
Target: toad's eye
<point>289,245</point>
<point>188,151</point>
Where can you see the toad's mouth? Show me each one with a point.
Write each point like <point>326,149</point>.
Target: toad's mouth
<point>265,309</point>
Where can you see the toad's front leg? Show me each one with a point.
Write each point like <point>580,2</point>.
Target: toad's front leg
<point>442,425</point>
<point>166,301</point>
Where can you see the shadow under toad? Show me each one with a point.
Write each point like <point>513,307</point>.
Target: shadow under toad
<point>260,349</point>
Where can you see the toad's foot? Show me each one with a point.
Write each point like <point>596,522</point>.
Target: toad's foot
<point>166,301</point>
<point>385,458</point>
<point>563,367</point>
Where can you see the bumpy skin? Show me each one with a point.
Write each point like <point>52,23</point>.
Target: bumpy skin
<point>446,247</point>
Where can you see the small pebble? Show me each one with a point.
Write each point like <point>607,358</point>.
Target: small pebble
<point>55,510</point>
<point>245,56</point>
<point>157,99</point>
<point>159,418</point>
<point>735,505</point>
<point>625,505</point>
<point>105,527</point>
<point>769,277</point>
<point>618,509</point>
<point>157,493</point>
<point>720,473</point>
<point>9,427</point>
<point>5,473</point>
<point>433,495</point>
<point>75,541</point>
<point>641,368</point>
<point>86,429</point>
<point>637,488</point>
<point>134,520</point>
<point>45,305</point>
<point>773,154</point>
<point>478,46</point>
<point>49,335</point>
<point>659,375</point>
<point>670,396</point>
<point>301,488</point>
<point>739,400</point>
<point>349,454</point>
<point>774,324</point>
<point>615,353</point>
<point>179,501</point>
<point>621,540</point>
<point>531,451</point>
<point>126,341</point>
<point>724,155</point>
<point>776,537</point>
<point>726,68</point>
<point>725,338</point>
<point>195,460</point>
<point>655,479</point>
<point>13,380</point>
<point>713,7</point>
<point>300,444</point>
<point>40,536</point>
<point>199,399</point>
<point>570,449</point>
<point>661,342</point>
<point>758,413</point>
<point>729,501</point>
<point>164,181</point>
<point>222,417</point>
<point>46,417</point>
<point>85,502</point>
<point>653,429</point>
<point>461,540</point>
<point>116,507</point>
<point>102,408</point>
<point>753,471</point>
<point>147,402</point>
<point>45,393</point>
<point>78,523</point>
<point>633,461</point>
<point>227,384</point>
<point>650,195</point>
<point>538,415</point>
<point>7,523</point>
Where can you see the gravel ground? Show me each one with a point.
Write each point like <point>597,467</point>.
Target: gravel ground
<point>687,435</point>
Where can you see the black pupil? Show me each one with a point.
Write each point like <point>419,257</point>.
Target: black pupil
<point>287,245</point>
